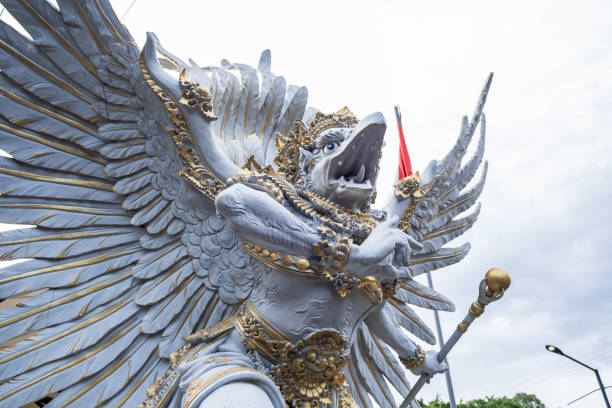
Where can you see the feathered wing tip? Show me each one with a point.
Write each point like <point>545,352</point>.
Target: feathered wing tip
<point>433,220</point>
<point>265,61</point>
<point>449,164</point>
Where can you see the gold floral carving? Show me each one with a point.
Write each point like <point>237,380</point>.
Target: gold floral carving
<point>307,372</point>
<point>358,222</point>
<point>409,188</point>
<point>196,97</point>
<point>333,251</point>
<point>157,393</point>
<point>210,332</point>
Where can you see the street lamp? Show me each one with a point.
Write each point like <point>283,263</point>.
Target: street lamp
<point>557,350</point>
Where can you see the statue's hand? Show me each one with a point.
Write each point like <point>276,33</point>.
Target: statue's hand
<point>383,241</point>
<point>431,365</point>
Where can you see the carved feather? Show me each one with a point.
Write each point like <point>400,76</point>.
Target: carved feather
<point>269,112</point>
<point>31,69</point>
<point>408,319</point>
<point>385,362</point>
<point>412,292</point>
<point>44,151</point>
<point>247,112</point>
<point>127,368</point>
<point>19,180</point>
<point>371,379</point>
<point>161,314</point>
<point>24,109</point>
<point>56,306</point>
<point>356,381</point>
<point>62,373</point>
<point>119,131</point>
<point>156,262</point>
<point>44,23</point>
<point>62,214</point>
<point>44,244</point>
<point>38,274</point>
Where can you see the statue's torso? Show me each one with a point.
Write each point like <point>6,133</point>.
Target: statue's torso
<point>298,306</point>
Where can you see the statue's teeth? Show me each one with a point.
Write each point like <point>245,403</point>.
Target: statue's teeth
<point>359,177</point>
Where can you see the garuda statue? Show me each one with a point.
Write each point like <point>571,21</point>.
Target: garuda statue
<point>202,237</point>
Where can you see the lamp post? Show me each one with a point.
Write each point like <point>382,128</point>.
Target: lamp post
<point>557,350</point>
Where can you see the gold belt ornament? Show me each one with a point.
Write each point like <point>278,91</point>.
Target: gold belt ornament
<point>307,371</point>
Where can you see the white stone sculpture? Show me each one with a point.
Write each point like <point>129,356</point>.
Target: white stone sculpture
<point>204,239</point>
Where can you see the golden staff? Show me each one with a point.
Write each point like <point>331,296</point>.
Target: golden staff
<point>491,288</point>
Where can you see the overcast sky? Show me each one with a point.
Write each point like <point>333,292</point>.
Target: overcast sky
<point>546,205</point>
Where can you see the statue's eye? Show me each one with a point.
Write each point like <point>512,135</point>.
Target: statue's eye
<point>330,147</point>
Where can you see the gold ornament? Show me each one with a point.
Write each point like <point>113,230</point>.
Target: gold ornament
<point>357,224</point>
<point>281,262</point>
<point>416,361</point>
<point>370,285</point>
<point>333,251</point>
<point>409,188</point>
<point>497,280</point>
<point>196,97</point>
<point>209,333</point>
<point>340,228</point>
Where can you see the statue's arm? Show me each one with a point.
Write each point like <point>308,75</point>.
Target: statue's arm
<point>256,217</point>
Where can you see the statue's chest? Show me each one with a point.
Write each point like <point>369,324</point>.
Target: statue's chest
<point>298,306</point>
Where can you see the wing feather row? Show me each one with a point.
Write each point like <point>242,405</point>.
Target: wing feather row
<point>91,164</point>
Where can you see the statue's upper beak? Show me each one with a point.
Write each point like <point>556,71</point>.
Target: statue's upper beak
<point>356,163</point>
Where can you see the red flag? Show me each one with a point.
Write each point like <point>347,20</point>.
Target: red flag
<point>405,167</point>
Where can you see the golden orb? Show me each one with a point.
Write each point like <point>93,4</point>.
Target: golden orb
<point>497,279</point>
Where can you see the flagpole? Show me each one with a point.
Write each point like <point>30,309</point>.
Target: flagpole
<point>405,170</point>
<point>449,383</point>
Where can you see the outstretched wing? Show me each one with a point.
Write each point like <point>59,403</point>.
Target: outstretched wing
<point>125,256</point>
<point>428,209</point>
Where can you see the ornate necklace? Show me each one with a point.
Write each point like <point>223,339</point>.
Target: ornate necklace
<point>357,224</point>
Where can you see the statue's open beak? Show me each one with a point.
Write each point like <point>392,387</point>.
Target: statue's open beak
<point>355,166</point>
